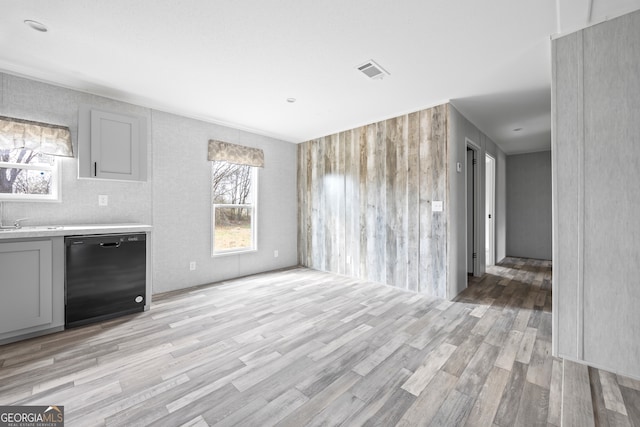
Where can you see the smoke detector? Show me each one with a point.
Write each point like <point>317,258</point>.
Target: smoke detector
<point>372,70</point>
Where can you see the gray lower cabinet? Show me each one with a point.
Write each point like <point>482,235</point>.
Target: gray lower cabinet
<point>31,287</point>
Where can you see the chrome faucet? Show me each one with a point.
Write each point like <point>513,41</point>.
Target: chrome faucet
<point>16,223</point>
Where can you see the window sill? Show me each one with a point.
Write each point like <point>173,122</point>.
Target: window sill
<point>29,199</point>
<point>233,252</point>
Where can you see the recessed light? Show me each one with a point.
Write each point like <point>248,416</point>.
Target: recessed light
<point>517,129</point>
<point>291,100</point>
<point>38,26</point>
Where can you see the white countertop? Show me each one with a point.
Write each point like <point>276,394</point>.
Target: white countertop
<point>72,230</point>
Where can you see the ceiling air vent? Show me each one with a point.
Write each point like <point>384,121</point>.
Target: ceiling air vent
<point>373,70</point>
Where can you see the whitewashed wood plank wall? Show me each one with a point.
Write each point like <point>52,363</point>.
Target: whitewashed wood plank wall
<point>365,197</point>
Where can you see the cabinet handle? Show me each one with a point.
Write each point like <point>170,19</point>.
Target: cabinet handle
<point>95,168</point>
<point>110,245</point>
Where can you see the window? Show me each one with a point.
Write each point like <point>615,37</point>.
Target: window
<point>234,189</point>
<point>28,175</point>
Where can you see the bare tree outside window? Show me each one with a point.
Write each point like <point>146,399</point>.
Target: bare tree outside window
<point>233,193</point>
<point>27,175</point>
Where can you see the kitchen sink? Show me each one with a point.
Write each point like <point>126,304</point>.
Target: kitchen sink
<point>33,228</point>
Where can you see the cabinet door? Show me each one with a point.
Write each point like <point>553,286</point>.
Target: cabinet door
<point>115,146</point>
<point>25,288</point>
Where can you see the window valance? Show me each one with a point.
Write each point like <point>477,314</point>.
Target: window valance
<point>237,154</point>
<point>42,137</point>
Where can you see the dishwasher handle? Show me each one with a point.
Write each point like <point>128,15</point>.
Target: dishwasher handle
<point>110,245</point>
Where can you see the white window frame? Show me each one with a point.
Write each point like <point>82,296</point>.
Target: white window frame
<point>254,218</point>
<point>54,168</point>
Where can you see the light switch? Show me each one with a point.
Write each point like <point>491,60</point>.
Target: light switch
<point>436,206</point>
<point>103,200</point>
<point>459,167</point>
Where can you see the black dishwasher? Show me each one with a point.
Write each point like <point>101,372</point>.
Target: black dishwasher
<point>105,277</point>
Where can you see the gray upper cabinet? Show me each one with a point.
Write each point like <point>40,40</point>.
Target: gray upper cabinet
<point>115,140</point>
<point>111,145</point>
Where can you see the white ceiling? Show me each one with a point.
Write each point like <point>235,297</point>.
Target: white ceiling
<point>236,62</point>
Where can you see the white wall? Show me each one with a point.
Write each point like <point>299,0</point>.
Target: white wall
<point>182,211</point>
<point>461,129</point>
<point>128,202</point>
<point>596,196</point>
<point>175,198</point>
<point>529,205</point>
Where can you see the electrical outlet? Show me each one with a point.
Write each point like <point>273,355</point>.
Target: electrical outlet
<point>192,265</point>
<point>275,253</point>
<point>103,200</point>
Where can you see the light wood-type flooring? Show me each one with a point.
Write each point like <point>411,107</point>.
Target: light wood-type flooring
<point>305,348</point>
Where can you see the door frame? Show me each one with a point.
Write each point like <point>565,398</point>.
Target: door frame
<point>490,208</point>
<point>476,199</point>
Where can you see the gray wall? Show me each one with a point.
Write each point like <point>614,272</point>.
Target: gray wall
<point>176,197</point>
<point>460,131</point>
<point>529,205</point>
<point>596,158</point>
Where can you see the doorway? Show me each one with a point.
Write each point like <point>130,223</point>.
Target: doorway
<point>490,206</point>
<point>472,187</point>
